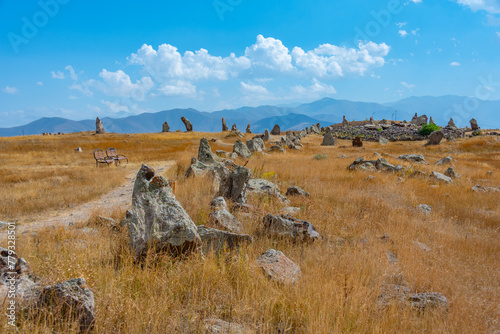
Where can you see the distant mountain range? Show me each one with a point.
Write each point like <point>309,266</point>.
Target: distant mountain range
<point>325,111</point>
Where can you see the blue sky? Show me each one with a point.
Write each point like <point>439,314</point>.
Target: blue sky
<point>82,59</point>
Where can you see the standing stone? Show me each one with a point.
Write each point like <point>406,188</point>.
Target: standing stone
<point>99,127</point>
<point>224,125</point>
<point>435,138</point>
<point>248,129</point>
<point>356,142</point>
<point>315,129</point>
<point>276,130</point>
<point>473,124</point>
<point>345,122</point>
<point>205,152</point>
<point>266,135</point>
<point>419,120</point>
<point>372,121</point>
<point>165,127</point>
<point>431,121</point>
<point>187,123</point>
<point>157,219</point>
<point>278,267</point>
<point>452,125</point>
<point>234,127</point>
<point>328,139</point>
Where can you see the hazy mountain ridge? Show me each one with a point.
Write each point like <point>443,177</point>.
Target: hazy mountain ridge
<point>326,111</point>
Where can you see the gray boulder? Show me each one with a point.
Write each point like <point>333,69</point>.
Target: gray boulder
<point>261,186</point>
<point>241,149</point>
<point>218,241</point>
<point>73,298</point>
<point>315,129</point>
<point>278,267</point>
<point>444,161</point>
<point>441,177</point>
<point>417,158</point>
<point>296,191</point>
<point>450,172</point>
<point>256,145</point>
<point>187,124</point>
<point>424,208</point>
<point>99,126</point>
<point>222,218</point>
<point>289,227</point>
<point>428,300</point>
<point>157,219</point>
<point>276,130</point>
<point>383,141</point>
<point>218,326</point>
<point>277,148</point>
<point>419,120</point>
<point>435,138</point>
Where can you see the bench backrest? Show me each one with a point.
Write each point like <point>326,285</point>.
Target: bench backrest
<point>99,154</point>
<point>111,152</point>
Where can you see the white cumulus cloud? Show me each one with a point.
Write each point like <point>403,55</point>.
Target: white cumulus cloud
<point>269,53</point>
<point>10,90</point>
<point>119,84</point>
<point>115,107</point>
<point>490,6</point>
<point>315,90</point>
<point>402,33</point>
<point>57,75</point>
<point>178,88</point>
<point>455,63</point>
<point>249,88</point>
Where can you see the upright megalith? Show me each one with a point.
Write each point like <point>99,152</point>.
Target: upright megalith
<point>473,124</point>
<point>157,220</point>
<point>451,125</point>
<point>357,142</point>
<point>419,120</point>
<point>234,127</point>
<point>328,139</point>
<point>344,121</point>
<point>205,152</point>
<point>248,129</point>
<point>431,121</point>
<point>241,149</point>
<point>276,130</point>
<point>187,123</point>
<point>224,125</point>
<point>99,127</point>
<point>266,135</point>
<point>165,127</point>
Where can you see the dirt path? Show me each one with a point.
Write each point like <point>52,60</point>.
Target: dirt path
<point>118,197</point>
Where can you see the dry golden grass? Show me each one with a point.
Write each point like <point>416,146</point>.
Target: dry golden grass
<point>342,275</point>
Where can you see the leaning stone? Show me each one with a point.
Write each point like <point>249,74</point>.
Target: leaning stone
<point>473,124</point>
<point>218,241</point>
<point>444,161</point>
<point>157,219</point>
<point>187,124</point>
<point>296,191</point>
<point>290,227</point>
<point>278,267</point>
<point>72,298</point>
<point>441,177</point>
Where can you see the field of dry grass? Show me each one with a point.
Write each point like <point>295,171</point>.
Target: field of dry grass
<point>342,275</point>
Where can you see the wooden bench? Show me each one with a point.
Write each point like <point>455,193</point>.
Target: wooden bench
<point>101,158</point>
<point>112,154</point>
